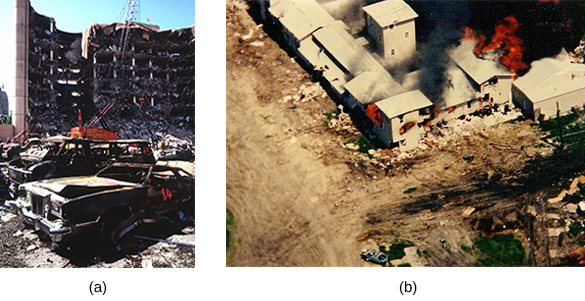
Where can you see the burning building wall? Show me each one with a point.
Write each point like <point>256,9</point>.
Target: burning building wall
<point>150,86</point>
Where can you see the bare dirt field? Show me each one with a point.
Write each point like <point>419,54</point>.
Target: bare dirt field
<point>301,195</point>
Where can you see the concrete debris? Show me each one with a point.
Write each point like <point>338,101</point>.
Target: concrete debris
<point>343,124</point>
<point>553,232</point>
<point>468,211</point>
<point>570,207</point>
<point>553,253</point>
<point>146,263</point>
<point>558,198</point>
<point>7,217</point>
<point>17,233</point>
<point>573,188</point>
<point>30,248</point>
<point>426,215</point>
<point>169,147</point>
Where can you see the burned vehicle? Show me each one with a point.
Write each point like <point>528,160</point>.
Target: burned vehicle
<point>114,201</point>
<point>63,157</point>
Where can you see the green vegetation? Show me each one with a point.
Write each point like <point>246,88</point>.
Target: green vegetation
<point>332,114</point>
<point>409,190</point>
<point>8,119</point>
<point>406,264</point>
<point>572,127</point>
<point>501,250</point>
<point>575,229</point>
<point>396,250</point>
<point>229,222</point>
<point>364,144</point>
<point>466,248</point>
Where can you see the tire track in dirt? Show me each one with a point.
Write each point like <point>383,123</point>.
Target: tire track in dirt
<point>279,192</point>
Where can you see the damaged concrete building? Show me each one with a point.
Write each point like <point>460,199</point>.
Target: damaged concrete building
<point>142,76</point>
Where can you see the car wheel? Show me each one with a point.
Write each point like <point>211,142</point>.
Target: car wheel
<point>110,220</point>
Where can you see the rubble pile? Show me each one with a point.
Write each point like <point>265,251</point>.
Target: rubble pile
<point>149,77</point>
<point>470,138</point>
<point>341,123</point>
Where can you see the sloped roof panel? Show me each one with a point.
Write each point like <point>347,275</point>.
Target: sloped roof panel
<point>478,69</point>
<point>371,86</point>
<point>549,78</point>
<point>301,17</point>
<point>403,103</point>
<point>390,12</point>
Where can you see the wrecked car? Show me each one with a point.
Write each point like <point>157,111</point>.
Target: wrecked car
<point>114,201</point>
<point>374,256</point>
<point>62,157</point>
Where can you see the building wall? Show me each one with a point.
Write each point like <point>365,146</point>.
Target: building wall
<point>459,110</point>
<point>376,33</point>
<point>548,108</point>
<point>521,101</point>
<point>6,131</point>
<point>399,43</point>
<point>389,132</point>
<point>54,68</point>
<point>499,92</point>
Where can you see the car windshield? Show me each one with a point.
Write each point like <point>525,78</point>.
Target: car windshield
<point>131,174</point>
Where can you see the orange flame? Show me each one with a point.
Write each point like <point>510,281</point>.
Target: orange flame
<point>406,127</point>
<point>373,111</point>
<point>504,40</point>
<point>555,2</point>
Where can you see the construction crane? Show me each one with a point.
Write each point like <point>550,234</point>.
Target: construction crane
<point>130,11</point>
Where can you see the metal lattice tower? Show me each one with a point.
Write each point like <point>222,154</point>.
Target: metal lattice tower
<point>130,11</point>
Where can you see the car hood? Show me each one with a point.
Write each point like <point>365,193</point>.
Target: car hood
<point>82,185</point>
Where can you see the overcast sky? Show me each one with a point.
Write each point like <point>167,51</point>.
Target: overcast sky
<point>76,15</point>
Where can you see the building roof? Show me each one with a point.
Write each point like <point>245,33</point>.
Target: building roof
<point>371,86</point>
<point>551,77</point>
<point>403,103</point>
<point>479,70</point>
<point>459,89</point>
<point>335,39</point>
<point>320,61</point>
<point>301,17</point>
<point>390,12</point>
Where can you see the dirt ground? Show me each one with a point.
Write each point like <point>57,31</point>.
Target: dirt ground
<point>302,196</point>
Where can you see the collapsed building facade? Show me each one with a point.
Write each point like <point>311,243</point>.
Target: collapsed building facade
<point>143,77</point>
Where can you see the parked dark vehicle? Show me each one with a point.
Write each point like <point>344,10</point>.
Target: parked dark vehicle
<point>13,149</point>
<point>63,157</point>
<point>116,200</point>
<point>374,256</point>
